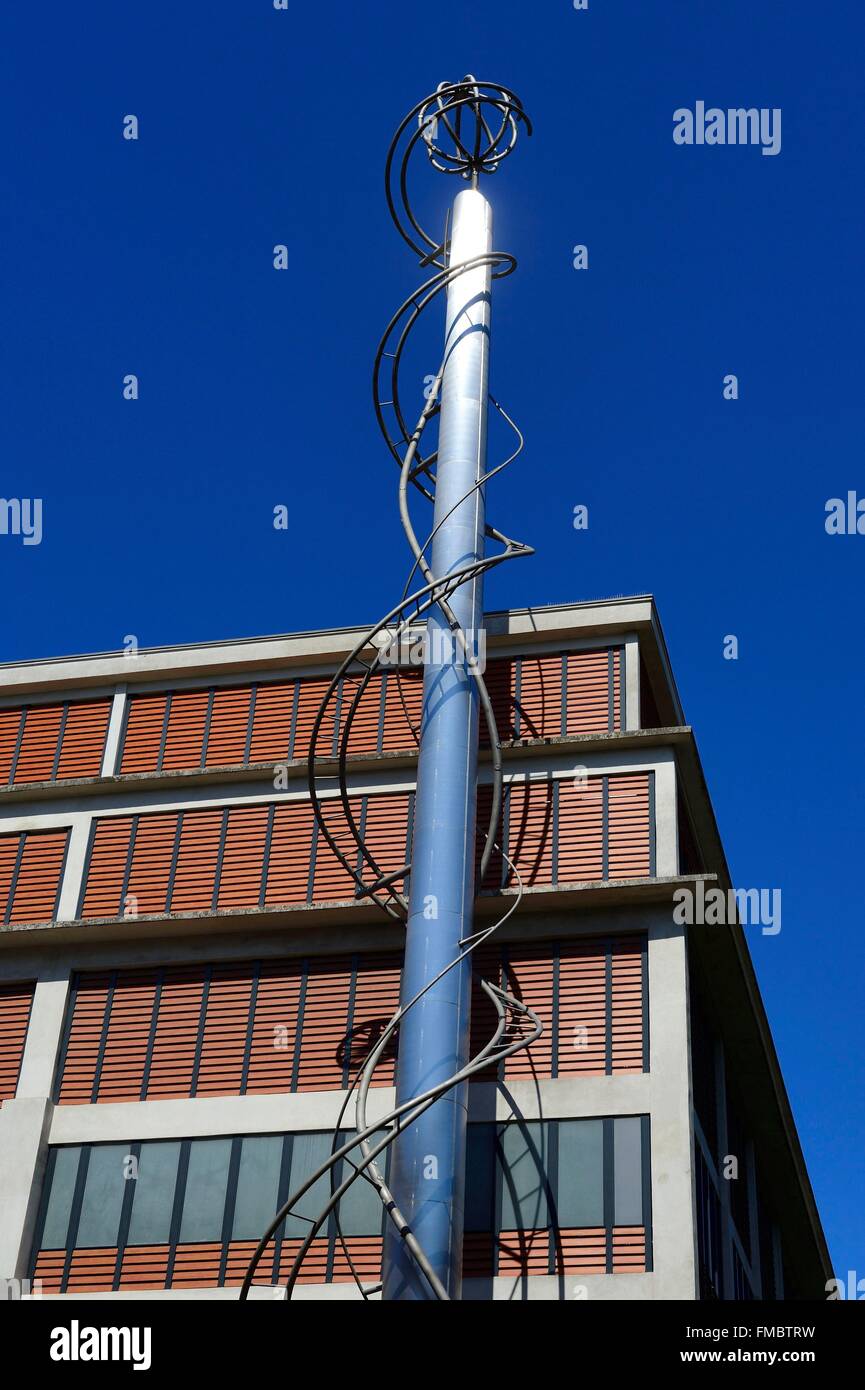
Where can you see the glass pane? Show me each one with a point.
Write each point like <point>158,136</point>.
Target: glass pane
<point>581,1174</point>
<point>152,1204</point>
<point>480,1177</point>
<point>103,1195</point>
<point>628,1150</point>
<point>523,1157</point>
<point>361,1211</point>
<point>308,1151</point>
<point>60,1200</point>
<point>206,1185</point>
<point>257,1186</point>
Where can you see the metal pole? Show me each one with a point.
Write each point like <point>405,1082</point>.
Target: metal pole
<point>428,1173</point>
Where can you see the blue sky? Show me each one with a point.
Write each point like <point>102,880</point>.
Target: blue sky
<point>259,127</point>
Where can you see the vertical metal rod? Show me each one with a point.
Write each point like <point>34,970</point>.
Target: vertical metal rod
<point>428,1173</point>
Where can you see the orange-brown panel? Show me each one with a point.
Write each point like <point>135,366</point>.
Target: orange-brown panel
<point>132,1005</point>
<point>582,1010</point>
<point>240,1252</point>
<point>486,965</point>
<point>243,857</point>
<point>384,833</point>
<point>581,830</point>
<point>529,976</point>
<point>174,1045</point>
<point>226,1024</point>
<point>365,714</point>
<point>524,1252</point>
<point>310,696</point>
<point>540,699</point>
<point>493,877</point>
<point>314,1267</point>
<point>271,729</point>
<point>478,1255</point>
<point>42,725</point>
<point>332,881</point>
<point>530,831</point>
<point>196,1266</point>
<point>84,739</point>
<point>588,680</point>
<point>365,1254</point>
<point>91,1270</point>
<point>290,849</point>
<point>184,741</point>
<point>628,1006</point>
<point>50,1265</point>
<point>402,709</point>
<point>629,834</point>
<point>325,1016</point>
<point>151,863</point>
<point>15,1004</point>
<point>144,1267</point>
<point>229,724</point>
<point>271,1059</point>
<point>195,873</point>
<point>500,679</point>
<point>629,1250</point>
<point>106,867</point>
<point>9,846</point>
<point>39,870</point>
<point>143,738</point>
<point>10,724</point>
<point>581,1250</point>
<point>85,1034</point>
<point>376,1000</point>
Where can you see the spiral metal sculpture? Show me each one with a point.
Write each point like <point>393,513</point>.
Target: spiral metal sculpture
<point>467,129</point>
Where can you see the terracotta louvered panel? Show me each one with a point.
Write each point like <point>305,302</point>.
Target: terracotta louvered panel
<point>106,866</point>
<point>83,739</point>
<point>524,1252</point>
<point>581,1250</point>
<point>629,835</point>
<point>325,1017</point>
<point>143,738</point>
<point>588,679</point>
<point>15,1004</point>
<point>529,976</point>
<point>290,850</point>
<point>243,857</point>
<point>314,1267</point>
<point>365,1253</point>
<point>582,1010</point>
<point>365,715</point>
<point>91,1270</point>
<point>240,1252</point>
<point>42,729</point>
<point>332,882</point>
<point>225,1028</point>
<point>229,724</point>
<point>629,1250</point>
<point>310,696</point>
<point>500,678</point>
<point>403,701</point>
<point>38,884</point>
<point>10,724</point>
<point>197,1265</point>
<point>628,1006</point>
<point>147,890</point>
<point>272,1055</point>
<point>177,1025</point>
<point>486,965</point>
<point>376,1000</point>
<point>581,830</point>
<point>49,1268</point>
<point>493,877</point>
<point>385,833</point>
<point>132,1006</point>
<point>271,728</point>
<point>9,847</point>
<point>540,699</point>
<point>195,873</point>
<point>530,831</point>
<point>144,1267</point>
<point>184,741</point>
<point>88,1004</point>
